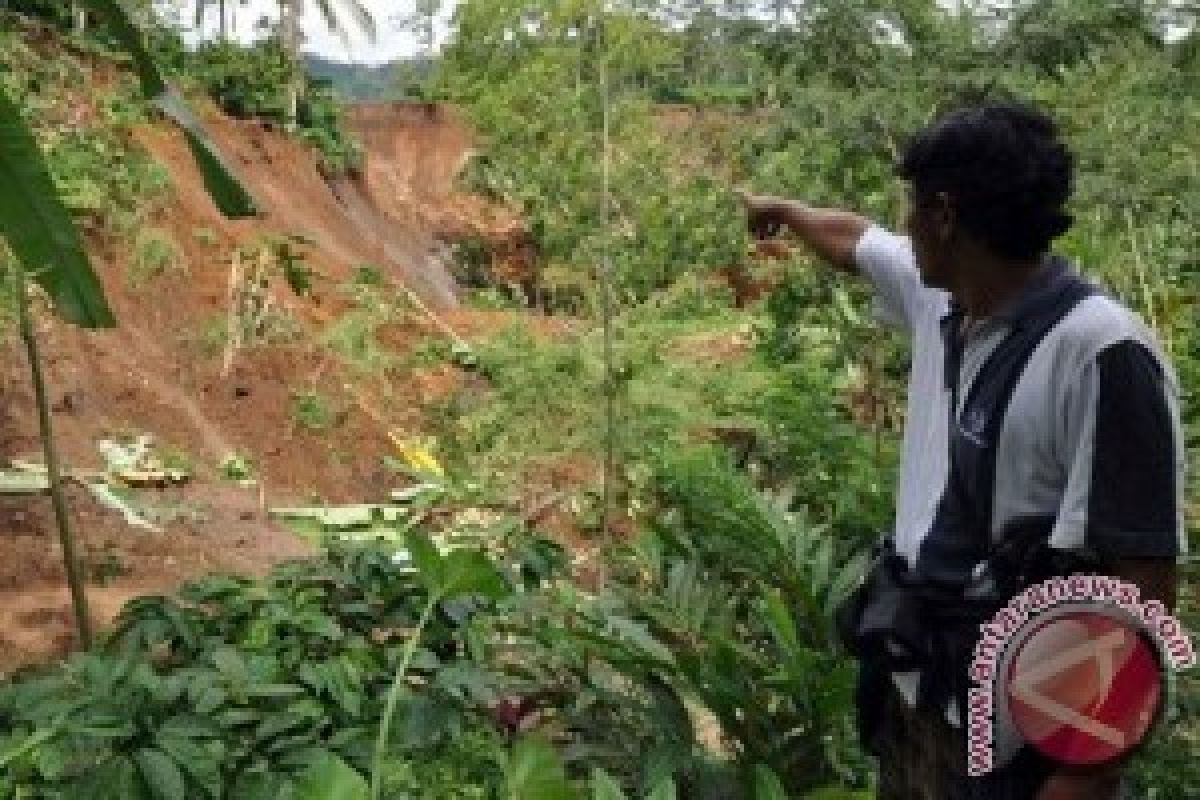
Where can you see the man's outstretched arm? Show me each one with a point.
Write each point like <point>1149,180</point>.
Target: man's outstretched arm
<point>854,244</point>
<point>833,234</point>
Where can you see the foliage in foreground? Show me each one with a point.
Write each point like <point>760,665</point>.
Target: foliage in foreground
<point>238,688</point>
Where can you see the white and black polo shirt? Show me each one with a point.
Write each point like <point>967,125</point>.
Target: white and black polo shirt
<point>1091,441</point>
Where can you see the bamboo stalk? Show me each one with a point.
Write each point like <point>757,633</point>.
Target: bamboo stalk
<point>66,537</point>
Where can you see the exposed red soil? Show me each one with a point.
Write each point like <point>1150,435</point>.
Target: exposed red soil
<point>219,528</point>
<point>416,153</point>
<point>715,348</point>
<point>156,374</point>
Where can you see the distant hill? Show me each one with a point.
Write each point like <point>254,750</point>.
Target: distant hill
<point>364,82</point>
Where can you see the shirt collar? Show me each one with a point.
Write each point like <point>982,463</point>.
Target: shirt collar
<point>1033,299</point>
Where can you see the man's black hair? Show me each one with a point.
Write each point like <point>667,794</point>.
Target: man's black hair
<point>1005,170</point>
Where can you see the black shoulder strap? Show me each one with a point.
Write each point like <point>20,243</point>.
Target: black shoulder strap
<point>990,396</point>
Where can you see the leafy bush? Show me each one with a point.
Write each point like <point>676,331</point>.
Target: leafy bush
<point>253,82</point>
<point>234,689</point>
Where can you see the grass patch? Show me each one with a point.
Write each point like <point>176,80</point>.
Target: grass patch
<point>155,253</point>
<point>311,411</point>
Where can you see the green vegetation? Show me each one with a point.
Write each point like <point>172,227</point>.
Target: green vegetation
<point>687,651</point>
<point>237,467</point>
<point>254,82</point>
<point>155,252</point>
<point>110,186</point>
<point>362,82</point>
<point>312,412</point>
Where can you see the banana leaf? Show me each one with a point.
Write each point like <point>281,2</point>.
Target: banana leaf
<point>39,229</point>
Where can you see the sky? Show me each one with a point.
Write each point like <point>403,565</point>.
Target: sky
<point>391,43</point>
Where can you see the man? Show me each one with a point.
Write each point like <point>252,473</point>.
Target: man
<point>1065,412</point>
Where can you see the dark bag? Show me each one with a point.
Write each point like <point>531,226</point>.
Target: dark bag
<point>883,614</point>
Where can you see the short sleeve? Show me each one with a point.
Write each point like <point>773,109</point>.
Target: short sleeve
<point>1122,449</point>
<point>887,260</point>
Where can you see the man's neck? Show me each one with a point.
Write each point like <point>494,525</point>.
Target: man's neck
<point>993,284</point>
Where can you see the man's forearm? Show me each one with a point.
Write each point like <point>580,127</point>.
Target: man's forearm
<point>832,233</point>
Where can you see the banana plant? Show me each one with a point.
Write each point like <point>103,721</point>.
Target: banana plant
<point>47,247</point>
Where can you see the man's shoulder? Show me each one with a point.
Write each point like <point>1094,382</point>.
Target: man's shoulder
<point>1097,323</point>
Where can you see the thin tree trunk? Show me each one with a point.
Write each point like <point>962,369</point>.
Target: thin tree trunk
<point>606,269</point>
<point>224,30</point>
<point>66,538</point>
<point>290,28</point>
<point>79,13</point>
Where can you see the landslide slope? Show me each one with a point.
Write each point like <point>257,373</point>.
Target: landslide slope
<point>163,371</point>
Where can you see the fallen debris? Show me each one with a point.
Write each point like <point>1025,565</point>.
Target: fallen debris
<point>137,465</point>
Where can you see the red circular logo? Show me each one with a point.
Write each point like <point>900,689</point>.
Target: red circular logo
<point>1084,687</point>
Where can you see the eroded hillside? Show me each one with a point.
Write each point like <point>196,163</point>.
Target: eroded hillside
<point>307,397</point>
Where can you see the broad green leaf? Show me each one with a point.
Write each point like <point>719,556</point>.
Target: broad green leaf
<point>605,787</point>
<point>233,717</point>
<point>31,743</point>
<point>190,726</point>
<point>162,776</point>
<point>330,778</point>
<point>208,699</point>
<point>262,786</point>
<point>469,681</point>
<point>229,663</point>
<point>227,192</point>
<point>39,229</point>
<point>663,790</point>
<point>103,726</point>
<point>837,793</point>
<point>845,306</point>
<point>536,772</point>
<point>844,581</point>
<point>471,572</point>
<point>780,621</point>
<point>427,560</point>
<point>279,722</point>
<point>636,634</point>
<point>423,720</point>
<point>822,564</point>
<point>767,785</point>
<point>270,690</point>
<point>114,779</point>
<point>201,761</point>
